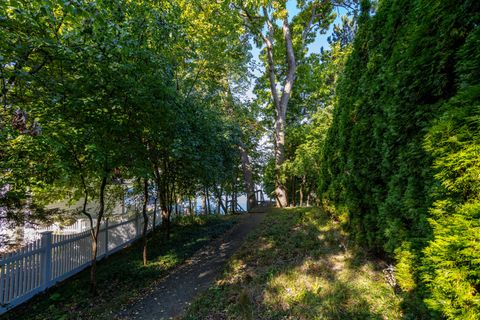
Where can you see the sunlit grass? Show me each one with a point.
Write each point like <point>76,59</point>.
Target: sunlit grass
<point>297,266</point>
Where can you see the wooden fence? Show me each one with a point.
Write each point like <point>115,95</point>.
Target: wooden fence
<point>55,257</point>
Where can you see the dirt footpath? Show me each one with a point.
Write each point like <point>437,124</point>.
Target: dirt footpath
<point>173,294</point>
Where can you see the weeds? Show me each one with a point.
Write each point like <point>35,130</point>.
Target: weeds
<point>297,266</point>
<point>122,278</point>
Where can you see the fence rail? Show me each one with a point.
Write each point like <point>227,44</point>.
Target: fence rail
<point>55,257</point>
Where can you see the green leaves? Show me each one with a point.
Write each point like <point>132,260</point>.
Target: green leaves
<point>402,152</point>
<point>100,79</point>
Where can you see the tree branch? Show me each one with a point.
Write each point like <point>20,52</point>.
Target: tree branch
<point>308,27</point>
<point>292,67</point>
<point>271,64</point>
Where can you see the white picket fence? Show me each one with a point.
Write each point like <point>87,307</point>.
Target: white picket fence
<point>79,226</point>
<point>55,257</point>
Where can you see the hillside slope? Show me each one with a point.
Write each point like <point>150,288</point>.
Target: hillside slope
<point>298,265</point>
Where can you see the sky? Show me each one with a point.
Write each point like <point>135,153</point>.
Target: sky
<point>315,47</point>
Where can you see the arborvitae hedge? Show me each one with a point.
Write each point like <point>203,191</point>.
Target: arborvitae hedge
<point>403,153</point>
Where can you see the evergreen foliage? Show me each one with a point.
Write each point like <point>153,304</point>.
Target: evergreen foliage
<point>401,156</point>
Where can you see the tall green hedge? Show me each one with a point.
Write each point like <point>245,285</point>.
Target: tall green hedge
<point>403,153</point>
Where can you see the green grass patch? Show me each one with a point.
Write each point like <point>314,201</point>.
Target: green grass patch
<point>122,278</point>
<point>297,265</point>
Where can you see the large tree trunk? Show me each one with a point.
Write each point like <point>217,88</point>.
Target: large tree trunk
<point>282,102</point>
<point>281,193</point>
<point>145,221</point>
<point>248,177</point>
<point>280,190</point>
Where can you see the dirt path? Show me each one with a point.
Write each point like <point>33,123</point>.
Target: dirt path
<point>179,288</point>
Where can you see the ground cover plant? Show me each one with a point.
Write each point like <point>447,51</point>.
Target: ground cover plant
<point>123,278</point>
<point>299,265</point>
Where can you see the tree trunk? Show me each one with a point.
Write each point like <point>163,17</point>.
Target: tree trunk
<point>171,200</point>
<point>204,203</point>
<point>154,222</point>
<point>220,205</point>
<point>169,213</point>
<point>145,221</point>
<point>208,201</point>
<point>280,190</point>
<point>162,195</point>
<point>165,211</point>
<point>234,197</point>
<point>294,191</point>
<point>190,209</point>
<point>166,216</point>
<point>248,177</point>
<point>93,269</point>
<point>176,206</point>
<point>95,232</point>
<point>226,202</point>
<point>302,185</point>
<point>300,196</point>
<point>282,102</point>
<point>124,194</point>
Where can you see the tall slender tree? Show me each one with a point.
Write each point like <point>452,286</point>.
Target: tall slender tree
<point>284,38</point>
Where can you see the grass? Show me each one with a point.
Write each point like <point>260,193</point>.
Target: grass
<point>297,266</point>
<point>122,278</point>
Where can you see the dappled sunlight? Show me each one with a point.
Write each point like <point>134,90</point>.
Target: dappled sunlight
<point>238,269</point>
<point>328,288</point>
<point>122,277</point>
<point>165,261</point>
<point>296,266</point>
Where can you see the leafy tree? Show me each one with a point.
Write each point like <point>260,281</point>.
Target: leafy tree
<point>284,39</point>
<point>101,81</point>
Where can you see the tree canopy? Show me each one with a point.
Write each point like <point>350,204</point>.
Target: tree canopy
<point>380,128</point>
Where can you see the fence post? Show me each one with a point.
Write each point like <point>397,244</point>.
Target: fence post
<point>106,238</point>
<point>47,258</point>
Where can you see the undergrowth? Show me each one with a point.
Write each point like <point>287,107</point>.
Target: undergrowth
<point>299,265</point>
<point>122,278</point>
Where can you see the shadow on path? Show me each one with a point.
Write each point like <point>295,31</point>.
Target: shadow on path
<point>174,293</point>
